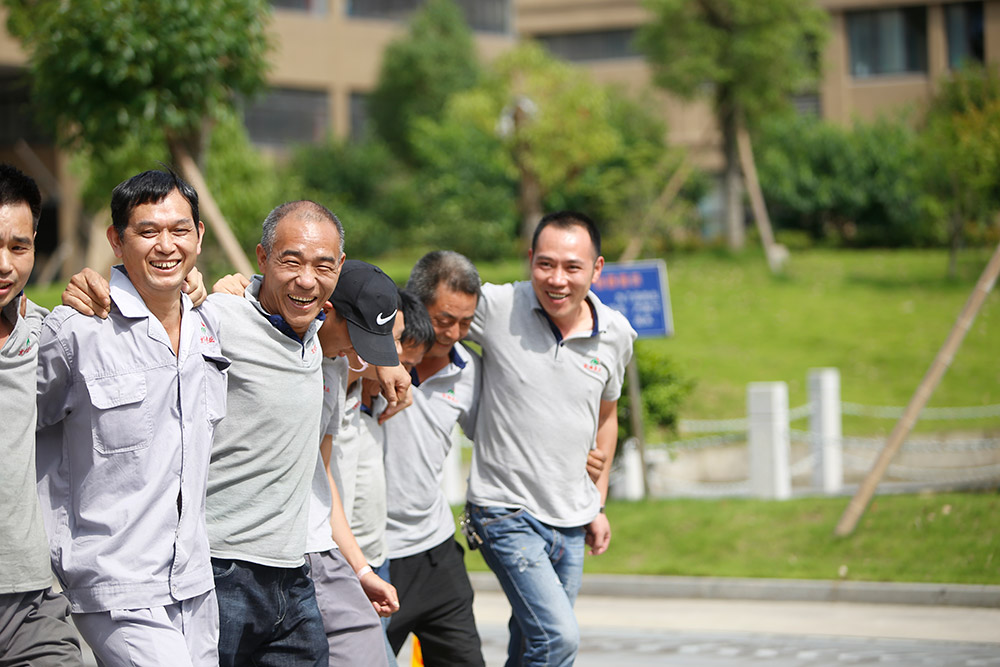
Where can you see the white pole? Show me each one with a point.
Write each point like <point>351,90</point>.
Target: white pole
<point>825,429</point>
<point>767,408</point>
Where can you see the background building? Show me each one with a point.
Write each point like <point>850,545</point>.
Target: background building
<point>882,55</point>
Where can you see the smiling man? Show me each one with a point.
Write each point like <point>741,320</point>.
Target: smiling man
<point>34,619</point>
<point>554,359</point>
<point>265,452</point>
<point>127,407</point>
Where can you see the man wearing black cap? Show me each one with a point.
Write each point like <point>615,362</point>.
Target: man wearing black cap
<point>349,594</point>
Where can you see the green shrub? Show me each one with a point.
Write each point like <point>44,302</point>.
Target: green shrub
<point>664,388</point>
<point>858,186</point>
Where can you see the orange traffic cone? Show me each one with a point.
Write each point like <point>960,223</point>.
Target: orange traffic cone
<point>418,657</point>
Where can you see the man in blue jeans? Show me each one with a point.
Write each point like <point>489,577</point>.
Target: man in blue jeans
<point>554,359</point>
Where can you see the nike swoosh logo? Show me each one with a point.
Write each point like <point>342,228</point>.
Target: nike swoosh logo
<point>382,320</point>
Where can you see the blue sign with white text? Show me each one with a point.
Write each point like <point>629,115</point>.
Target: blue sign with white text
<point>639,291</point>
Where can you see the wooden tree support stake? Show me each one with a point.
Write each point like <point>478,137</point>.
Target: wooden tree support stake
<point>866,490</point>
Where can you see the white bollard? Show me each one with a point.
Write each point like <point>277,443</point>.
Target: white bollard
<point>453,481</point>
<point>631,462</point>
<point>767,410</point>
<point>825,429</point>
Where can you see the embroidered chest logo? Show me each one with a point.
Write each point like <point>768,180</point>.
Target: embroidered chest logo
<point>28,344</point>
<point>593,366</point>
<point>206,337</point>
<point>449,396</point>
<point>314,349</point>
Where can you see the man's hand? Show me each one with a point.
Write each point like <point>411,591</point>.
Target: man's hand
<point>194,287</point>
<point>23,308</point>
<point>381,593</point>
<point>234,283</point>
<point>88,293</point>
<point>596,459</point>
<point>395,382</point>
<point>599,534</point>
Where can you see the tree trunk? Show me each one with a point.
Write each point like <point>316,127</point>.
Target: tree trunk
<point>189,169</point>
<point>732,185</point>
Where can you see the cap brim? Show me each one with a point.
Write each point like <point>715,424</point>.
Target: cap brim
<point>377,350</point>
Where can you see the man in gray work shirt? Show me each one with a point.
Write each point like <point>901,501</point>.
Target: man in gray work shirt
<point>34,620</point>
<point>554,359</point>
<point>127,407</point>
<point>426,563</point>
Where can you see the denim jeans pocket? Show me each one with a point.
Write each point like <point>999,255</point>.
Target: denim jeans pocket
<point>486,516</point>
<point>222,568</point>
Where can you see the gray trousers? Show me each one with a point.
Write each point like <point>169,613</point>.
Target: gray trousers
<point>35,631</point>
<point>353,629</point>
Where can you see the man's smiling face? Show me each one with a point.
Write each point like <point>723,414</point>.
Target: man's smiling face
<point>301,269</point>
<point>159,246</point>
<point>17,250</point>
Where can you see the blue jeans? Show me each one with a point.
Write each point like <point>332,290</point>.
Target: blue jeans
<point>267,616</point>
<point>540,568</point>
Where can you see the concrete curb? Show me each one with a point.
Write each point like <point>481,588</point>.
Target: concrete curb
<point>790,590</point>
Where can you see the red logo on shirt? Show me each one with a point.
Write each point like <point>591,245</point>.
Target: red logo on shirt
<point>449,396</point>
<point>27,347</point>
<point>593,366</point>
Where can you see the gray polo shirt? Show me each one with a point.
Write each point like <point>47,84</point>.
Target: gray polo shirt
<point>368,515</point>
<point>417,442</point>
<point>24,550</point>
<point>320,538</point>
<point>540,404</point>
<point>125,435</point>
<point>265,451</point>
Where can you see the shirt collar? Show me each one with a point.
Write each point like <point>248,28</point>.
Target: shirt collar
<point>454,356</point>
<point>13,309</point>
<point>127,299</point>
<point>277,321</point>
<point>552,325</point>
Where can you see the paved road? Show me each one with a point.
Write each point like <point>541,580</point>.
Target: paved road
<point>725,633</point>
<point>648,632</point>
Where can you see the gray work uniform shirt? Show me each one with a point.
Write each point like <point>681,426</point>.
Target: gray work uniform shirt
<point>24,551</point>
<point>265,451</point>
<point>417,442</point>
<point>125,437</point>
<point>540,404</point>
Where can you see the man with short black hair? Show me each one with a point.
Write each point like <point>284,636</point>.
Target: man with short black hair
<point>34,619</point>
<point>554,360</point>
<point>127,408</point>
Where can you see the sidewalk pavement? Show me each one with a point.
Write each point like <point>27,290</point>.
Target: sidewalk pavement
<point>787,590</point>
<point>916,612</point>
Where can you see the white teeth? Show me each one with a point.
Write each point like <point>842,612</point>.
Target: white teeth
<point>166,265</point>
<point>556,296</point>
<point>299,299</point>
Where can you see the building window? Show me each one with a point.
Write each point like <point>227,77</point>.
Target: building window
<point>597,45</point>
<point>964,23</point>
<point>287,116</point>
<point>887,41</point>
<point>483,15</point>
<point>358,105</point>
<point>307,6</point>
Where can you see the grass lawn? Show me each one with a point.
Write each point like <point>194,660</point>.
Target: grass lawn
<point>878,316</point>
<point>943,538</point>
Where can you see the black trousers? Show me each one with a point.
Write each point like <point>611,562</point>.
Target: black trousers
<point>435,604</point>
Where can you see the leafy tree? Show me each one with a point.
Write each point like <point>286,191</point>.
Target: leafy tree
<point>961,143</point>
<point>548,121</point>
<point>746,56</point>
<point>420,72</point>
<point>371,191</point>
<point>106,70</point>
